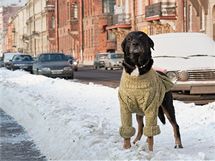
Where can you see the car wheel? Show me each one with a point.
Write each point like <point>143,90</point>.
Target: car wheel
<point>72,76</point>
<point>110,66</point>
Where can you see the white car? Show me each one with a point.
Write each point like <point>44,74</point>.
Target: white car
<point>189,60</point>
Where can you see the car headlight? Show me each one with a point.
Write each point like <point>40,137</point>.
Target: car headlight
<point>75,63</point>
<point>67,68</point>
<point>173,76</point>
<point>183,75</point>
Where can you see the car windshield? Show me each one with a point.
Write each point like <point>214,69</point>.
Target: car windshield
<point>8,56</point>
<point>22,58</point>
<point>69,57</point>
<point>53,57</point>
<point>116,56</point>
<point>102,56</point>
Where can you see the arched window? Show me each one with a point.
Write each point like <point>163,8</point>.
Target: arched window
<point>52,22</point>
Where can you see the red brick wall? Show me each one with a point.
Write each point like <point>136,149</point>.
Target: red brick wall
<point>95,34</point>
<point>68,41</point>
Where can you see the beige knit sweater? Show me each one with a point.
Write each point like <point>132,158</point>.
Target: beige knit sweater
<point>142,95</point>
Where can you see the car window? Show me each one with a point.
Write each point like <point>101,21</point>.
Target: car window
<point>53,57</point>
<point>101,56</point>
<point>116,56</point>
<point>22,58</point>
<point>8,56</point>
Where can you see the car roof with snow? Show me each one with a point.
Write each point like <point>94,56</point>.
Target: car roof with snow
<point>182,44</point>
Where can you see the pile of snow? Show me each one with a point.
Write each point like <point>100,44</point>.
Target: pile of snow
<point>73,121</point>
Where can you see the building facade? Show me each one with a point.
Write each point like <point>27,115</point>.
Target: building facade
<point>5,13</point>
<point>210,25</point>
<point>83,28</point>
<point>97,16</point>
<point>68,27</point>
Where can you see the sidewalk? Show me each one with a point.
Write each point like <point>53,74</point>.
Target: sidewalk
<point>15,144</point>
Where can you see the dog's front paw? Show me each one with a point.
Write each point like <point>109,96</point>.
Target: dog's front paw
<point>127,144</point>
<point>178,146</point>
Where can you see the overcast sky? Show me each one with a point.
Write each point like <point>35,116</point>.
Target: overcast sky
<point>8,2</point>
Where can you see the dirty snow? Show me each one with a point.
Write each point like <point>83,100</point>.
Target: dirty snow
<point>73,121</point>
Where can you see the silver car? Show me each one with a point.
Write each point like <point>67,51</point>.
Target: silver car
<point>53,65</point>
<point>113,60</point>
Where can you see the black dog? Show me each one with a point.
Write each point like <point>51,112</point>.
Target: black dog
<point>137,57</point>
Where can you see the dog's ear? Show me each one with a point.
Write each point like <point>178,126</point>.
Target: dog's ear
<point>123,45</point>
<point>151,43</point>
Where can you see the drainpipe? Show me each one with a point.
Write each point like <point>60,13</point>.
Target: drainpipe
<point>134,15</point>
<point>57,25</point>
<point>81,31</point>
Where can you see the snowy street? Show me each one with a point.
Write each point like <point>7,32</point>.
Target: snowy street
<point>74,121</point>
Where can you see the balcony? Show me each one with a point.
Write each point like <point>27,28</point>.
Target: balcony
<point>122,20</point>
<point>161,11</point>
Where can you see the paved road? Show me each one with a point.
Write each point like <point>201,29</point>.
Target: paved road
<point>15,144</point>
<point>109,78</point>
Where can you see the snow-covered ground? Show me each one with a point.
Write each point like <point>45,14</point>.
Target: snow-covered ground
<point>74,121</point>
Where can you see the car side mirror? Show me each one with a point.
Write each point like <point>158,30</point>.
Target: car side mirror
<point>70,61</point>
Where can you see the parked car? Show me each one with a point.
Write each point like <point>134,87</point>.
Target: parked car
<point>53,65</point>
<point>7,56</point>
<point>99,60</point>
<point>113,60</point>
<point>189,60</point>
<point>73,61</point>
<point>1,63</point>
<point>21,61</point>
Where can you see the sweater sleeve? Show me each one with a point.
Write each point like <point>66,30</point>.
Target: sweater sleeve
<point>126,130</point>
<point>151,128</point>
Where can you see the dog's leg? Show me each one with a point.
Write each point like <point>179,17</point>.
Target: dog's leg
<point>127,143</point>
<point>139,119</point>
<point>150,141</point>
<point>171,117</point>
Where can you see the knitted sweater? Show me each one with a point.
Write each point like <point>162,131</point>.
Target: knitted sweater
<point>142,95</point>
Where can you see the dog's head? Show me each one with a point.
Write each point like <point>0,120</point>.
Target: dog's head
<point>137,49</point>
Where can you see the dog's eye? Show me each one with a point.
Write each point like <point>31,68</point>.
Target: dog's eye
<point>129,39</point>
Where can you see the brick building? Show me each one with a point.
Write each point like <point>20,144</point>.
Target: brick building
<point>10,38</point>
<point>83,28</point>
<point>5,13</point>
<point>97,15</point>
<point>158,16</point>
<point>68,16</point>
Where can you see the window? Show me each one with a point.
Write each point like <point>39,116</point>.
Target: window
<point>202,20</point>
<point>52,22</point>
<point>68,11</point>
<point>108,6</point>
<point>75,11</point>
<point>190,20</point>
<point>140,7</point>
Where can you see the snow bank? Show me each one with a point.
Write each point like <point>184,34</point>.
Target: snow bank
<point>73,121</point>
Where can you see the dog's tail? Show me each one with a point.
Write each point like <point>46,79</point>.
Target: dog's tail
<point>161,115</point>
